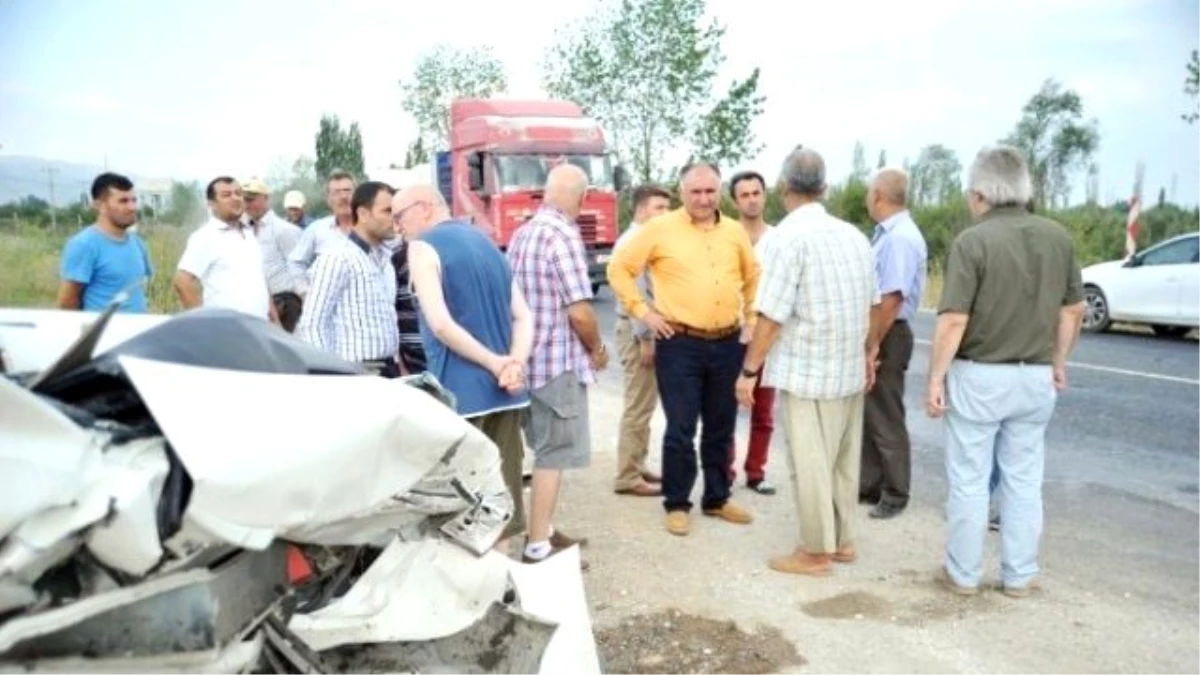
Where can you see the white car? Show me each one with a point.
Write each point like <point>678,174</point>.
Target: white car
<point>1158,287</point>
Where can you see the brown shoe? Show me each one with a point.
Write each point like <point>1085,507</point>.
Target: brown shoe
<point>651,477</point>
<point>846,554</point>
<point>559,541</point>
<point>944,580</point>
<point>731,512</point>
<point>678,523</point>
<point>641,490</point>
<point>808,564</point>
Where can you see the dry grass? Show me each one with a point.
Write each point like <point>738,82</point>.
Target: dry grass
<point>29,265</point>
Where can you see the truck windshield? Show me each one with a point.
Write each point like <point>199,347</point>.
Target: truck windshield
<point>528,172</point>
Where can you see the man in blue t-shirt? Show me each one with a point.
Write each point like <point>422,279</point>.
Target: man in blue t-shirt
<point>106,258</point>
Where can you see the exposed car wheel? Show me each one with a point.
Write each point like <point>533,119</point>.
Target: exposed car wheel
<point>1095,310</point>
<point>1170,331</point>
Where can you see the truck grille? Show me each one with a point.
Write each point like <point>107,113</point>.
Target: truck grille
<point>587,227</point>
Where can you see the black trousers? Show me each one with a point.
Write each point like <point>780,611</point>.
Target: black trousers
<point>696,380</point>
<point>886,469</point>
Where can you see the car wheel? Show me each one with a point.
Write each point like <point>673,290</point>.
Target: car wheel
<point>1170,331</point>
<point>1095,310</point>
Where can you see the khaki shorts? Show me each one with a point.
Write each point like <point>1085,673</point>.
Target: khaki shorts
<point>556,424</point>
<point>504,429</point>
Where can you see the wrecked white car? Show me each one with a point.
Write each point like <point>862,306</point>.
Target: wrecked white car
<point>205,493</point>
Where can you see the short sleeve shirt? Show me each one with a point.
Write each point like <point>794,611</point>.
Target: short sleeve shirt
<point>105,266</point>
<point>1011,273</point>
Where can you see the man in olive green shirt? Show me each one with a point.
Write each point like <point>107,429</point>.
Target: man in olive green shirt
<point>1008,319</point>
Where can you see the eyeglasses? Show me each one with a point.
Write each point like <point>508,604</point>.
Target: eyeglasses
<point>397,216</point>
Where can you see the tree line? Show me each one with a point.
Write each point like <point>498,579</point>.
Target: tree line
<point>650,72</point>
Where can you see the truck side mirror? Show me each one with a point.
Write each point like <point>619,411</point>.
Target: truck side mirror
<point>475,171</point>
<point>620,178</point>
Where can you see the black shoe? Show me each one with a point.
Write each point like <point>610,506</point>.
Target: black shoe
<point>884,510</point>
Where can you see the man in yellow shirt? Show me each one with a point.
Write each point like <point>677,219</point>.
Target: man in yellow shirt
<point>704,274</point>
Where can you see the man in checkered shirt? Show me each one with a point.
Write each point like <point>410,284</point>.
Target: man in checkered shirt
<point>549,266</point>
<point>814,317</point>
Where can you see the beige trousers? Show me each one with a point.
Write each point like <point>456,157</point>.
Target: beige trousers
<point>641,398</point>
<point>825,446</point>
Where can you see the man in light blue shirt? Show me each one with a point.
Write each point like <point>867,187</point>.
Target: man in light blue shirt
<point>106,257</point>
<point>900,258</point>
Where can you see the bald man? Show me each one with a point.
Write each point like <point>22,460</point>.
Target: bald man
<point>475,326</point>
<point>900,258</point>
<point>704,273</point>
<point>550,268</point>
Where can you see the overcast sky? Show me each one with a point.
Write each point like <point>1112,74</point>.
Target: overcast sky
<point>193,88</point>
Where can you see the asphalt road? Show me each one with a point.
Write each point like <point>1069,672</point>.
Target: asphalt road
<point>1122,461</point>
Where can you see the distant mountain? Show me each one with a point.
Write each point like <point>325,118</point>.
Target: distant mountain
<point>22,176</point>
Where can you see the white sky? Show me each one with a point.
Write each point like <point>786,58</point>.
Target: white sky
<point>196,88</point>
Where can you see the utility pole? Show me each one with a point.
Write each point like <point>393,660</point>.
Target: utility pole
<point>50,171</point>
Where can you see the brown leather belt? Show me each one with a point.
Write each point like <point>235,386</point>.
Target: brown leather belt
<point>703,333</point>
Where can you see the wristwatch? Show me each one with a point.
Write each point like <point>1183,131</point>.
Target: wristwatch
<point>751,373</point>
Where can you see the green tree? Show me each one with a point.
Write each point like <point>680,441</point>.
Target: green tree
<point>725,133</point>
<point>646,69</point>
<point>1191,85</point>
<point>859,171</point>
<point>338,148</point>
<point>1056,141</point>
<point>442,75</point>
<point>935,177</point>
<point>185,205</point>
<point>416,154</point>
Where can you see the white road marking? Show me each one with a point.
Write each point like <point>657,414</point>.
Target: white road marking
<point>1114,371</point>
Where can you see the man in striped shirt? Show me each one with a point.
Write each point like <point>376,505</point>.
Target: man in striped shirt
<point>350,308</point>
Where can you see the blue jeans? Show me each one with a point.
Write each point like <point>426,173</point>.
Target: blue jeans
<point>996,426</point>
<point>696,380</point>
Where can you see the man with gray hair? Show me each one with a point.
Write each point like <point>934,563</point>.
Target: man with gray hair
<point>1008,319</point>
<point>900,260</point>
<point>814,318</point>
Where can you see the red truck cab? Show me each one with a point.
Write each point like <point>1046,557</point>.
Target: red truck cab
<point>500,153</point>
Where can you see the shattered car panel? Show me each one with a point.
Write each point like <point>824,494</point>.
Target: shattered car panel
<point>210,494</point>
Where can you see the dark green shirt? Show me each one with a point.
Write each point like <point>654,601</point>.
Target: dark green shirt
<point>1011,273</point>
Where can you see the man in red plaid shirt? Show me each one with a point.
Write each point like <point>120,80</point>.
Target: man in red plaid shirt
<point>549,267</point>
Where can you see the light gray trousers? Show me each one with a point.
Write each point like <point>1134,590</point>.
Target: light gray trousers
<point>1000,412</point>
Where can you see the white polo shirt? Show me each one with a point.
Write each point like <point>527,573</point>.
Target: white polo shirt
<point>228,262</point>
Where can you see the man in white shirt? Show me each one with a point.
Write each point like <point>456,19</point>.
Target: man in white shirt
<point>222,265</point>
<point>350,308</point>
<point>326,233</point>
<point>814,316</point>
<point>276,238</point>
<point>749,192</point>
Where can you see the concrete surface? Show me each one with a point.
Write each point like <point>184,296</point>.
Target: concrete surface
<point>1119,554</point>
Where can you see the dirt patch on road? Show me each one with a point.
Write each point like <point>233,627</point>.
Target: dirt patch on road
<point>674,642</point>
<point>863,606</point>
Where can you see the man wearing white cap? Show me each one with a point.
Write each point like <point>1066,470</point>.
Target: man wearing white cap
<point>277,237</point>
<point>293,205</point>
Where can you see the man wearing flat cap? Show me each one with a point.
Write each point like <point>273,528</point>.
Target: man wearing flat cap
<point>276,237</point>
